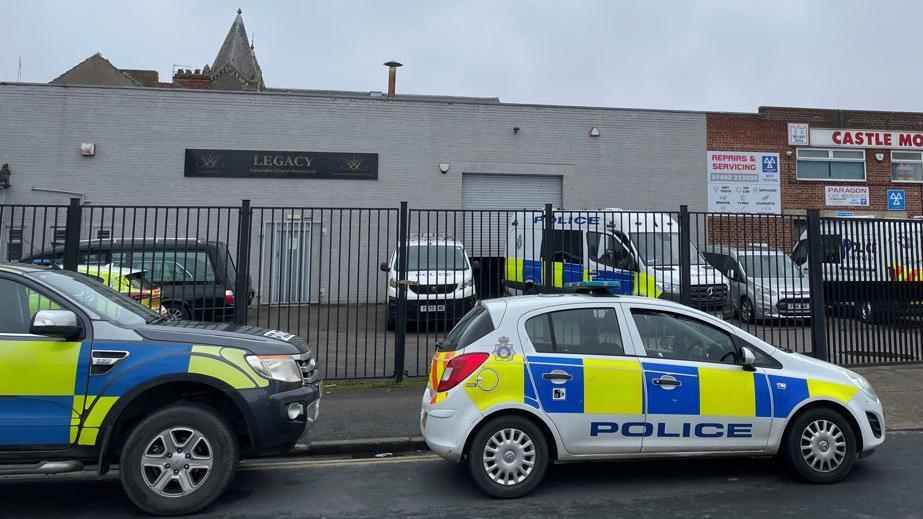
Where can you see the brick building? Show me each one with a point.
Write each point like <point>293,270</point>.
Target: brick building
<point>842,162</point>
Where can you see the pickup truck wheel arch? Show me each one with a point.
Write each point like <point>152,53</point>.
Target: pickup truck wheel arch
<point>160,391</point>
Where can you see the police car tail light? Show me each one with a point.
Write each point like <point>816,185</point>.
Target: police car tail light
<point>460,368</point>
<point>228,297</point>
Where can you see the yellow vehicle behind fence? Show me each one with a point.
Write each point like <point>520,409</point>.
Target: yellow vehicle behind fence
<point>131,282</point>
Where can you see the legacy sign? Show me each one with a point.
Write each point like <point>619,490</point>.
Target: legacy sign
<point>281,164</point>
<point>866,138</point>
<point>743,182</point>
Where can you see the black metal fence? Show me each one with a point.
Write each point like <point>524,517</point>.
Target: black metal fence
<point>373,289</point>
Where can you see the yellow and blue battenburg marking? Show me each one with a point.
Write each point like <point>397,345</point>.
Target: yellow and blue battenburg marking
<point>621,282</point>
<point>48,396</point>
<point>618,386</point>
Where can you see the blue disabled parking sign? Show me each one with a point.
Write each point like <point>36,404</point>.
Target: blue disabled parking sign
<point>896,200</point>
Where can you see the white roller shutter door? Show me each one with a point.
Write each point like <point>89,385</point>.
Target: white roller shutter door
<point>485,233</point>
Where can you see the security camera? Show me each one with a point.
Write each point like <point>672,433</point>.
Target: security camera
<point>444,168</point>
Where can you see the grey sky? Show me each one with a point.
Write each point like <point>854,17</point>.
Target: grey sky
<point>732,55</point>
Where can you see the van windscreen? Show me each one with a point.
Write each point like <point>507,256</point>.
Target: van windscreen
<point>659,249</point>
<point>436,257</point>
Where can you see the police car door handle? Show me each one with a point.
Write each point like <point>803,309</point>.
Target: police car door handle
<point>557,376</point>
<point>667,382</point>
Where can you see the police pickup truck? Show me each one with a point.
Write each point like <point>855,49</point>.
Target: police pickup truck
<point>525,381</point>
<point>89,376</point>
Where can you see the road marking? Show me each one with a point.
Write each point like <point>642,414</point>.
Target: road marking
<point>304,464</point>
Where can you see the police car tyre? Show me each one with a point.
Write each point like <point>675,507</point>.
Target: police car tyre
<point>508,457</point>
<point>821,446</point>
<point>178,460</point>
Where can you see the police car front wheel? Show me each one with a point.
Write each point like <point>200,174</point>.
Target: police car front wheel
<point>821,446</point>
<point>508,457</point>
<point>178,460</point>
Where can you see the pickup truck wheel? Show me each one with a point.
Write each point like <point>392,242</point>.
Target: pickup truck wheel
<point>508,456</point>
<point>178,460</point>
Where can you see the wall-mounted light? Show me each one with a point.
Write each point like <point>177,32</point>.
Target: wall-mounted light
<point>87,149</point>
<point>444,167</point>
<point>879,157</point>
<point>594,131</point>
<point>515,130</point>
<point>788,153</point>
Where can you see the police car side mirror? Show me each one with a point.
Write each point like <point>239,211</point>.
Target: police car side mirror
<point>748,359</point>
<point>61,324</point>
<point>383,267</point>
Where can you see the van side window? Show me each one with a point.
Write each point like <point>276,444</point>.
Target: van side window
<point>832,248</point>
<point>566,247</point>
<point>800,254</point>
<point>607,250</point>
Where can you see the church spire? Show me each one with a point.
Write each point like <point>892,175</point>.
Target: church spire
<point>236,60</point>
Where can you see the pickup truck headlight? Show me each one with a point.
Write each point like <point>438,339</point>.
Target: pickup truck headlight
<point>468,283</point>
<point>392,282</point>
<point>276,367</point>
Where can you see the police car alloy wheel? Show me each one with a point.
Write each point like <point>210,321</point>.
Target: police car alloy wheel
<point>508,457</point>
<point>821,446</point>
<point>178,460</point>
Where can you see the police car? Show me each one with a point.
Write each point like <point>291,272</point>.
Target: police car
<point>525,381</point>
<point>90,377</point>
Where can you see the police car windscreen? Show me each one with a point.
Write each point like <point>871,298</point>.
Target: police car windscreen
<point>436,257</point>
<point>770,266</point>
<point>662,249</point>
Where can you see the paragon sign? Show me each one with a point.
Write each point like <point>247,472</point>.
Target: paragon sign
<point>281,164</point>
<point>866,138</point>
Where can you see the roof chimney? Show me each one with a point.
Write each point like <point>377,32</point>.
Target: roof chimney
<point>392,76</point>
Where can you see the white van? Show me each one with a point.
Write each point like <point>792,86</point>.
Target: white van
<point>640,251</point>
<point>440,280</point>
<point>872,265</point>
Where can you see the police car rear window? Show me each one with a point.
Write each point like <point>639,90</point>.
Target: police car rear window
<point>474,325</point>
<point>587,331</point>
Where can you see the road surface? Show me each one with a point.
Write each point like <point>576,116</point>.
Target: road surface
<point>885,485</point>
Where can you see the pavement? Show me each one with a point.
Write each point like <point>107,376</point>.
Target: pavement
<point>386,418</point>
<point>352,341</point>
<point>424,486</point>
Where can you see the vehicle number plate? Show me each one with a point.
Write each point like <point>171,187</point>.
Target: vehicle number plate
<point>432,308</point>
<point>801,306</point>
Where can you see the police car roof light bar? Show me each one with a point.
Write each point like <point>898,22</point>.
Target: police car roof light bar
<point>595,288</point>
